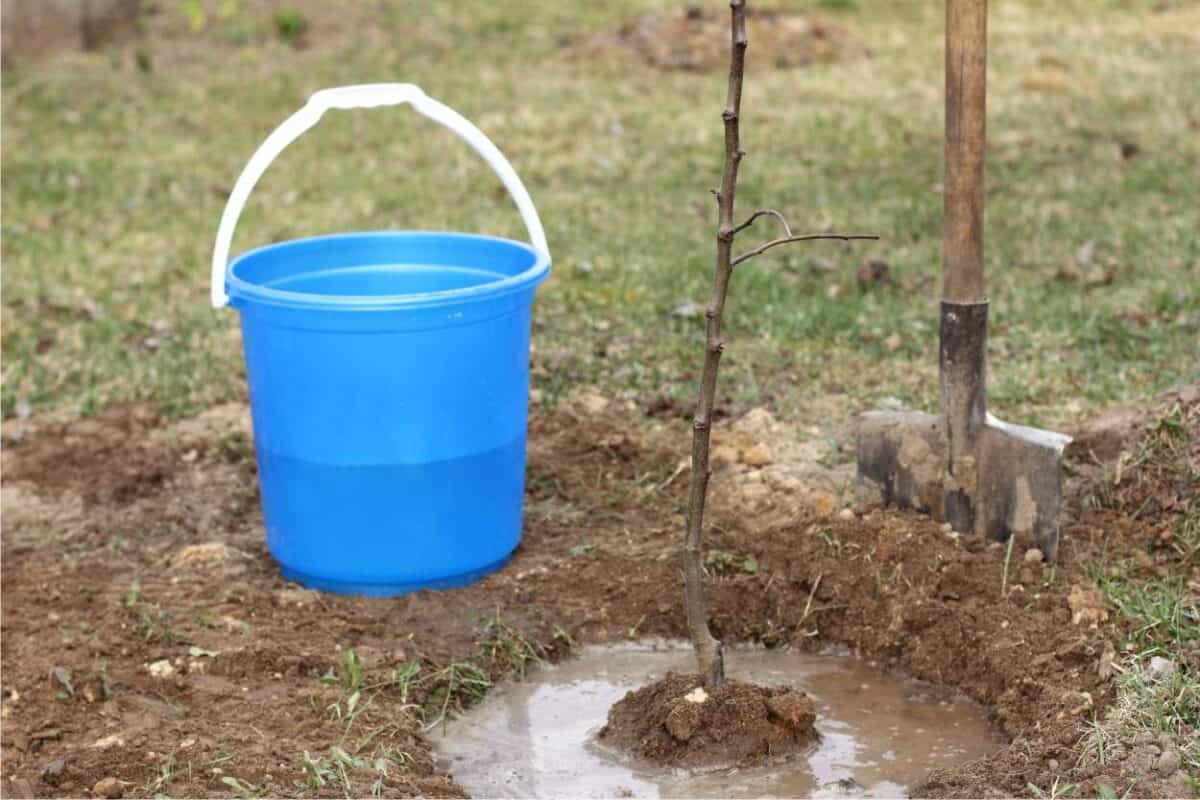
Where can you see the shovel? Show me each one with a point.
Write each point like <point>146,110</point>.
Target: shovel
<point>964,466</point>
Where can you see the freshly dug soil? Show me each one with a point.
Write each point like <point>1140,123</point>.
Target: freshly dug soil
<point>736,725</point>
<point>148,637</point>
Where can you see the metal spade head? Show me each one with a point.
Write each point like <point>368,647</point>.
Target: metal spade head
<point>1012,486</point>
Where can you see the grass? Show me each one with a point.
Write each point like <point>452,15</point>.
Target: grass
<point>167,772</point>
<point>107,223</point>
<point>1165,610</point>
<point>1165,622</point>
<point>1053,791</point>
<point>506,647</point>
<point>1165,618</point>
<point>1158,481</point>
<point>440,691</point>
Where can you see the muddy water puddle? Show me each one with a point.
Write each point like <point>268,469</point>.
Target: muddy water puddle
<point>880,734</point>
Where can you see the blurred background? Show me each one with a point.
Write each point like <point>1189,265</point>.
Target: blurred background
<point>125,123</point>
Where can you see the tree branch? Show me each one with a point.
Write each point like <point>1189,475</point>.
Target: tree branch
<point>764,212</point>
<point>762,248</point>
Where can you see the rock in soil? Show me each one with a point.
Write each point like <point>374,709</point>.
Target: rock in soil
<point>1169,761</point>
<point>108,787</point>
<point>738,724</point>
<point>1160,668</point>
<point>1087,606</point>
<point>757,456</point>
<point>52,772</point>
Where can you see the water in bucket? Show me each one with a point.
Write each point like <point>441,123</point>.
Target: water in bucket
<point>389,378</point>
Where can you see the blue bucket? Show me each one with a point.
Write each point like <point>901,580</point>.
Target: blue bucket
<point>389,383</point>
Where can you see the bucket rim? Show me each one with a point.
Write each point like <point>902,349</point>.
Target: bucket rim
<point>242,291</point>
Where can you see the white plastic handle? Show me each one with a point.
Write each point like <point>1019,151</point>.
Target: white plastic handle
<point>369,95</point>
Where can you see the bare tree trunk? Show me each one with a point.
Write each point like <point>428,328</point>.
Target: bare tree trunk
<point>709,652</point>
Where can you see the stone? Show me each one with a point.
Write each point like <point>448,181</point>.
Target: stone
<point>297,596</point>
<point>1168,761</point>
<point>758,423</point>
<point>163,668</point>
<point>1108,658</point>
<point>1087,606</point>
<point>1160,668</point>
<point>1033,556</point>
<point>697,695</point>
<point>108,787</point>
<point>846,514</point>
<point>52,772</point>
<point>1078,702</point>
<point>207,552</point>
<point>592,403</point>
<point>825,504</point>
<point>757,456</point>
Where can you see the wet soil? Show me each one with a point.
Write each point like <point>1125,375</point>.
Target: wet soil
<point>879,732</point>
<point>676,722</point>
<point>149,638</point>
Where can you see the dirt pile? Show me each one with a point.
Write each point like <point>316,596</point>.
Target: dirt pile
<point>696,38</point>
<point>679,723</point>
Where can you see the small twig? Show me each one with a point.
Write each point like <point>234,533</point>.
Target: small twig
<point>678,471</point>
<point>1004,574</point>
<point>811,594</point>
<point>762,248</point>
<point>765,212</point>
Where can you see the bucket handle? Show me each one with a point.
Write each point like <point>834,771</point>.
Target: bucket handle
<point>368,95</point>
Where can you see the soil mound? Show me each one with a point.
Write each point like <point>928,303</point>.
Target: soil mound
<point>679,723</point>
<point>696,39</point>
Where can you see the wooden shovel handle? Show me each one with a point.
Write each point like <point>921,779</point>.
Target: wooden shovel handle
<point>966,113</point>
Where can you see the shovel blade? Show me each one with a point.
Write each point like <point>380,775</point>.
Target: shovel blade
<point>1020,483</point>
<point>1016,486</point>
<point>901,457</point>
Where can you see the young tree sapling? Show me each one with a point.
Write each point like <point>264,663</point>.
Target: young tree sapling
<point>709,653</point>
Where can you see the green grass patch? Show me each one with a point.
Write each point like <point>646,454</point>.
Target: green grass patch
<point>114,176</point>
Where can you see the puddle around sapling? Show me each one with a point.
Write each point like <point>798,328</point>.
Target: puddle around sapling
<point>880,734</point>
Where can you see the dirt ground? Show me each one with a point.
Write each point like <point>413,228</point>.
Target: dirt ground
<point>148,637</point>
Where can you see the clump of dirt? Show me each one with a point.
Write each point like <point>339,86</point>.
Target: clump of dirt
<point>678,722</point>
<point>696,38</point>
